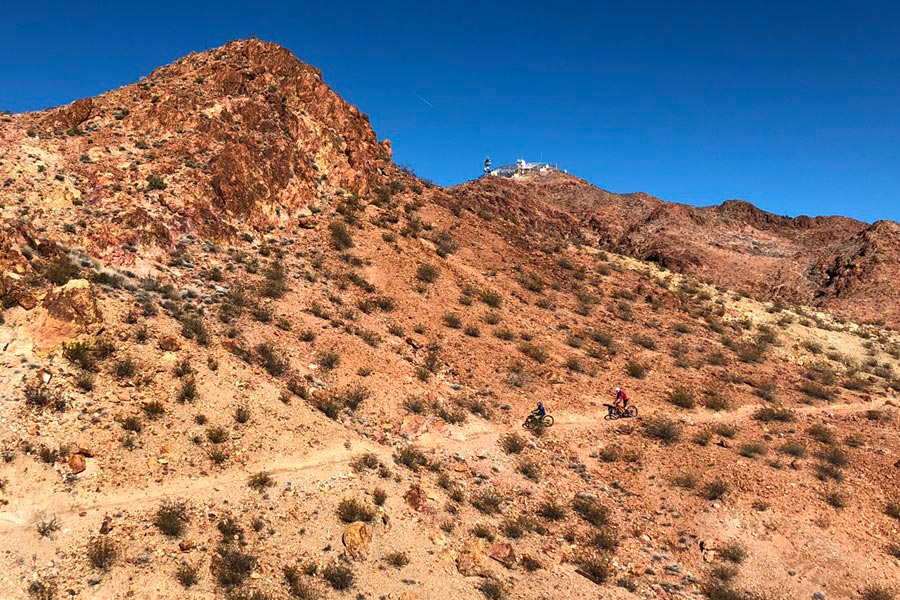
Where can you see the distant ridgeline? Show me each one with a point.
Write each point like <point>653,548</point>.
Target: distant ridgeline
<point>520,168</point>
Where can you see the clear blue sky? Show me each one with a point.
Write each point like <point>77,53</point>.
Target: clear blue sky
<point>794,106</point>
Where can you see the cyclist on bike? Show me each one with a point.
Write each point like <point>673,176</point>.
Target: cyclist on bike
<point>540,411</point>
<point>621,398</point>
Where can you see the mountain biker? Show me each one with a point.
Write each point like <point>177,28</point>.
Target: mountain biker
<point>621,397</point>
<point>540,411</point>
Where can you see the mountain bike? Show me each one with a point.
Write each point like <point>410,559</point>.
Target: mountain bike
<point>535,421</point>
<point>614,412</point>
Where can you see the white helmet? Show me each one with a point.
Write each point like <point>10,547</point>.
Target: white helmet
<point>618,390</point>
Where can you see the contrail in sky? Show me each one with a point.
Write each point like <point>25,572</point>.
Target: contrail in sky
<point>430,105</point>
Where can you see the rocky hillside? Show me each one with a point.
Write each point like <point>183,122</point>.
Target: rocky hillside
<point>244,356</point>
<point>831,262</point>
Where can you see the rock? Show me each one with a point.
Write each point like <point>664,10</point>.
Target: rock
<point>186,545</point>
<point>818,596</point>
<point>357,537</point>
<point>77,463</point>
<point>106,526</point>
<point>503,552</point>
<point>472,560</point>
<point>416,497</point>
<point>74,302</point>
<point>167,343</point>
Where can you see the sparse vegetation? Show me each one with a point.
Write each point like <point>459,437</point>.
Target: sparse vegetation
<point>350,510</point>
<point>171,518</point>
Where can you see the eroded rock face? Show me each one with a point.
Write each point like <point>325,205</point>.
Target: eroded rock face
<point>68,117</point>
<point>74,302</point>
<point>356,538</point>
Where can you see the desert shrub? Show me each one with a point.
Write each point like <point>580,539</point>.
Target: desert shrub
<point>379,496</point>
<point>877,593</point>
<point>835,499</point>
<point>234,566</point>
<point>452,320</point>
<point>663,429</point>
<point>683,397</point>
<point>491,298</point>
<point>39,395</point>
<point>60,270</point>
<point>685,480</point>
<point>793,448</point>
<point>187,575</point>
<point>714,400</point>
<point>822,434</point>
<point>513,443</point>
<point>715,490</point>
<point>530,564</point>
<point>297,586</point>
<point>878,415</point>
<point>605,540</point>
<point>720,590</point>
<point>193,328</point>
<point>171,518</point>
<point>596,568</point>
<point>341,239</point>
<point>217,435</point>
<point>533,351</point>
<point>486,502</point>
<point>482,531</point>
<point>530,470</point>
<point>591,511</point>
<point>834,456</point>
<point>752,449</point>
<point>815,390</point>
<point>492,589</point>
<point>551,511</point>
<point>260,481</point>
<point>102,552</point>
<point>427,273</point>
<point>241,413</point>
<point>40,589</point>
<point>397,559</point>
<point>124,368</point>
<point>339,576</point>
<point>350,510</point>
<point>153,409</point>
<point>365,462</point>
<point>779,414</point>
<point>410,457</point>
<point>636,369</point>
<point>644,341</point>
<point>132,423</point>
<point>155,182</point>
<point>270,358</point>
<point>733,552</point>
<point>892,509</point>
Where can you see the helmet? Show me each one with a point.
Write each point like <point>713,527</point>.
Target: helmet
<point>618,390</point>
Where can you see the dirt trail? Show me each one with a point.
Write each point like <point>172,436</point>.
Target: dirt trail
<point>64,505</point>
<point>475,439</point>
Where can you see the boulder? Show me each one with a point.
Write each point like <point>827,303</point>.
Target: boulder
<point>77,463</point>
<point>74,302</point>
<point>167,343</point>
<point>416,497</point>
<point>357,537</point>
<point>472,559</point>
<point>503,552</point>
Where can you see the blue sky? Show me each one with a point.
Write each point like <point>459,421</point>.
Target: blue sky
<point>794,106</point>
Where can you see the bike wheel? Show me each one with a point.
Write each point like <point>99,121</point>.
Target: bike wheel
<point>547,421</point>
<point>631,411</point>
<point>529,423</point>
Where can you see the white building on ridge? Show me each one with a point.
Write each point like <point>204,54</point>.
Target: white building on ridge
<point>520,168</point>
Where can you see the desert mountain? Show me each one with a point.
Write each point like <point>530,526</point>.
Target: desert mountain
<point>831,262</point>
<point>245,356</point>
